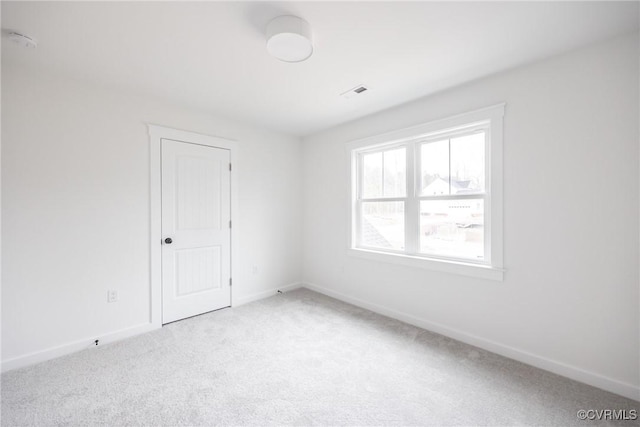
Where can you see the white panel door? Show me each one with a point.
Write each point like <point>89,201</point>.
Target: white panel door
<point>196,230</point>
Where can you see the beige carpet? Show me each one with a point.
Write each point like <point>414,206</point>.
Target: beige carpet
<point>295,359</point>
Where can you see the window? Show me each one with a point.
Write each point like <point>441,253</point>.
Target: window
<point>431,195</point>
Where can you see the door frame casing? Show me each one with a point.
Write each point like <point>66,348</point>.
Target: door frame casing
<point>156,135</point>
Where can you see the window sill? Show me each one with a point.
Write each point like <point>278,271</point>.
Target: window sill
<point>445,266</point>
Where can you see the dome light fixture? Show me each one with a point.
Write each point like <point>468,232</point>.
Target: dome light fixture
<point>289,39</point>
<point>22,40</point>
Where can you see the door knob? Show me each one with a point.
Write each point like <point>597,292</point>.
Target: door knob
<point>168,241</point>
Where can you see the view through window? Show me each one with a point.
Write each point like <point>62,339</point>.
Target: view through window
<point>425,196</point>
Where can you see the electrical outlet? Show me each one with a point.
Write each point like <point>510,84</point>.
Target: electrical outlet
<point>112,296</point>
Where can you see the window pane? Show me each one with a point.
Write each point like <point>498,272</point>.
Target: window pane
<point>395,172</point>
<point>467,164</point>
<point>372,175</point>
<point>383,225</point>
<point>452,228</point>
<point>434,162</point>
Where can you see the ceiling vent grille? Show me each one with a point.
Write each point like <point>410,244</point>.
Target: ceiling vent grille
<point>358,90</point>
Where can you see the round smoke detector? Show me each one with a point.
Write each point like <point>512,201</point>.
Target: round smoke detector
<point>22,40</point>
<point>289,39</point>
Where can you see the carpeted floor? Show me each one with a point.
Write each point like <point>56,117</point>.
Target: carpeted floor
<point>300,358</point>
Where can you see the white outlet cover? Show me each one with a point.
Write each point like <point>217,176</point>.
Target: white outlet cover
<point>112,296</point>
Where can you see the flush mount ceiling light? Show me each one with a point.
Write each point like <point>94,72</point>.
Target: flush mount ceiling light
<point>22,40</point>
<point>289,39</point>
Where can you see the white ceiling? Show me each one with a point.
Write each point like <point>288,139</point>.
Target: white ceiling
<point>212,56</point>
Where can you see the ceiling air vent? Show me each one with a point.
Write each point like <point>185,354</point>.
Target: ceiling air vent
<point>358,90</point>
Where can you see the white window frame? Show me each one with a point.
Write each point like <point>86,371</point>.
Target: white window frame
<point>490,120</point>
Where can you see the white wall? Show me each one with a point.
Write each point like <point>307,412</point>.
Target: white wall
<point>75,213</point>
<point>570,300</point>
<point>75,210</point>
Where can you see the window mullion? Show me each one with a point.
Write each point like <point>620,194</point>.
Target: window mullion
<point>449,158</point>
<point>384,199</point>
<point>356,219</point>
<point>358,223</point>
<point>382,174</point>
<point>412,205</point>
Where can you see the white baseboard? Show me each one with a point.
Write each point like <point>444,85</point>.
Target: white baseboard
<point>624,389</point>
<point>238,301</point>
<point>72,347</point>
<point>609,384</point>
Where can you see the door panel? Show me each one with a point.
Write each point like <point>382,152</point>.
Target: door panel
<point>197,270</point>
<point>198,182</point>
<point>196,213</point>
